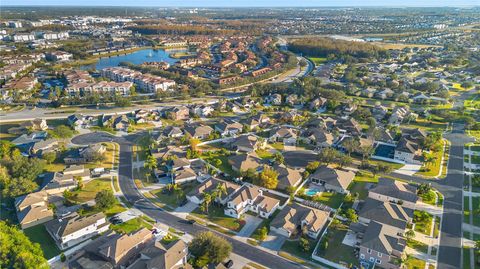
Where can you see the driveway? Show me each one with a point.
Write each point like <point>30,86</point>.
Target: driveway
<point>408,169</point>
<point>189,207</point>
<point>274,241</point>
<point>251,223</point>
<point>129,214</point>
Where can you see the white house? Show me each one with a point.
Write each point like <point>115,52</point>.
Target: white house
<point>251,198</point>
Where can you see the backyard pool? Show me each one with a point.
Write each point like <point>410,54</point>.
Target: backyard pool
<point>312,191</point>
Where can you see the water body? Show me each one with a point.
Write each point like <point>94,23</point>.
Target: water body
<point>137,57</point>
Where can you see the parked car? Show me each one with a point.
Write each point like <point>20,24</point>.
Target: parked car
<point>229,264</point>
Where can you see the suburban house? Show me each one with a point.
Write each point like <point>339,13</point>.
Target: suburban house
<point>382,245</point>
<point>333,179</point>
<point>388,190</point>
<point>85,155</point>
<point>74,229</point>
<point>318,136</point>
<point>225,190</point>
<point>229,127</point>
<point>199,131</point>
<point>179,170</point>
<point>246,143</point>
<point>385,212</point>
<point>201,110</point>
<point>59,183</point>
<point>178,113</point>
<point>274,99</point>
<point>251,198</point>
<point>78,121</point>
<point>243,162</point>
<point>287,177</point>
<point>284,134</point>
<point>121,123</point>
<point>112,250</point>
<point>256,121</point>
<point>296,218</point>
<point>157,256</point>
<point>408,151</point>
<point>167,152</point>
<point>35,125</point>
<point>32,209</point>
<point>169,132</point>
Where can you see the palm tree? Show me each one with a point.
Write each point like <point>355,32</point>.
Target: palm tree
<point>207,199</point>
<point>150,164</point>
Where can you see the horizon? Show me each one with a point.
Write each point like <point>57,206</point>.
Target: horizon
<point>245,4</point>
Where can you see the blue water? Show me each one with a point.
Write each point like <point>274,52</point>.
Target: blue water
<point>137,57</point>
<point>311,192</point>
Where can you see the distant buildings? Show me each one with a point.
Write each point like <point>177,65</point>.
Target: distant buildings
<point>145,82</point>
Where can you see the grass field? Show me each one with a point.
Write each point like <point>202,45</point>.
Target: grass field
<point>336,251</point>
<point>331,199</point>
<point>318,60</point>
<point>414,263</point>
<point>38,234</point>
<point>91,189</point>
<point>131,225</point>
<point>217,216</point>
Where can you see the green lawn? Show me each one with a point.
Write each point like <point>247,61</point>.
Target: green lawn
<point>224,166</point>
<point>331,199</point>
<point>429,197</point>
<point>293,247</point>
<point>217,216</point>
<point>466,257</point>
<point>39,234</point>
<point>466,209</point>
<point>131,225</point>
<point>432,169</point>
<point>417,245</point>
<point>264,154</point>
<point>91,189</point>
<point>336,251</point>
<point>414,263</point>
<point>476,206</point>
<point>424,226</point>
<point>109,157</point>
<point>317,60</point>
<point>277,145</point>
<point>360,188</point>
<point>173,199</point>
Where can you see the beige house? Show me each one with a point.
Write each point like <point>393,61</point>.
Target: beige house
<point>298,218</point>
<point>333,179</point>
<point>32,209</point>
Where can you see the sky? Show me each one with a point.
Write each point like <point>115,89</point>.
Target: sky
<point>244,3</point>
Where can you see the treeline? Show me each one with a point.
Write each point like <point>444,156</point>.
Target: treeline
<point>326,47</point>
<point>178,30</point>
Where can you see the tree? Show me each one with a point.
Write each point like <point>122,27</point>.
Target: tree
<point>350,145</point>
<point>194,143</point>
<point>409,234</point>
<point>207,199</point>
<point>105,199</point>
<point>278,157</point>
<point>17,251</point>
<point>49,157</point>
<point>210,247</point>
<point>344,160</point>
<point>6,148</point>
<point>268,178</point>
<point>312,166</point>
<point>262,233</point>
<point>150,164</point>
<point>366,151</point>
<point>328,155</point>
<point>62,132</point>
<point>304,244</point>
<point>351,215</point>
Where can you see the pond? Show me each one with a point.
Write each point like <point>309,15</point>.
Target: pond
<point>137,57</point>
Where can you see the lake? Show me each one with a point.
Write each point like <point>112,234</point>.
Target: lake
<point>137,57</point>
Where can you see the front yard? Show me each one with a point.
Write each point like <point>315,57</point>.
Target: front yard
<point>423,222</point>
<point>432,169</point>
<point>173,198</point>
<point>131,225</point>
<point>110,154</point>
<point>414,263</point>
<point>91,189</point>
<point>216,215</point>
<point>293,247</point>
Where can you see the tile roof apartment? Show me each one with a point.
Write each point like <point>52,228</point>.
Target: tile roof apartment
<point>145,82</point>
<point>333,179</point>
<point>295,218</point>
<point>250,198</point>
<point>74,229</point>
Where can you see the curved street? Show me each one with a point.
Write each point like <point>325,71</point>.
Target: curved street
<point>133,196</point>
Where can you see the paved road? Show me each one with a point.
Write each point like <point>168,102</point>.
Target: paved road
<point>133,196</point>
<point>451,187</point>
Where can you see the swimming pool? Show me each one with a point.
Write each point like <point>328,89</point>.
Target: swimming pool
<point>312,191</point>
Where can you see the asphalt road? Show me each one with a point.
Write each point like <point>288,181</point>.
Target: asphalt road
<point>133,196</point>
<point>450,250</point>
